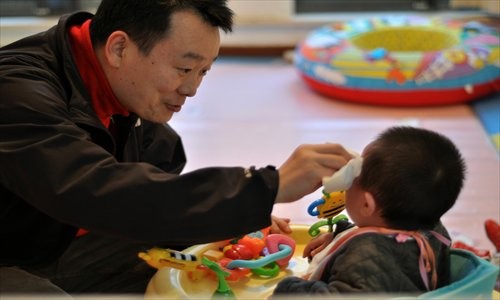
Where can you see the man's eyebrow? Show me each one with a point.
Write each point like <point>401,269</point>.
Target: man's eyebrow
<point>195,56</point>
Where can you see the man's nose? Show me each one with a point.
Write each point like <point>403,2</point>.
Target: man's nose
<point>189,87</point>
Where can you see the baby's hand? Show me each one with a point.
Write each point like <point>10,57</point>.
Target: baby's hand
<point>317,244</point>
<point>280,225</point>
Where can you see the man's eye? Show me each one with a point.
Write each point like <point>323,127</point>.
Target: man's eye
<point>184,70</point>
<point>204,72</point>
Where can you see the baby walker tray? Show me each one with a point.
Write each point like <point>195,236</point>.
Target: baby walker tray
<point>173,283</point>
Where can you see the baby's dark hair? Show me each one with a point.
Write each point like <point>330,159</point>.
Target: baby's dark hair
<point>148,21</point>
<point>415,176</point>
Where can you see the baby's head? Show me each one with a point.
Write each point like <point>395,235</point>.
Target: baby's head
<point>410,177</point>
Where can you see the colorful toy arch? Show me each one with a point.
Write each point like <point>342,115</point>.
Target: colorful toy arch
<point>403,61</point>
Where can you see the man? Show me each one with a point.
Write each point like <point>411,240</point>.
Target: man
<point>90,170</point>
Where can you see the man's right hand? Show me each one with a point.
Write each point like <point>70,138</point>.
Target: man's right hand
<point>303,171</point>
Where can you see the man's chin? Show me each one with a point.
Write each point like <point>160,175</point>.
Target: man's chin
<point>159,119</point>
<point>167,118</point>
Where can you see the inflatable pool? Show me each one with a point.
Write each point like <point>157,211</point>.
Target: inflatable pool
<point>403,61</point>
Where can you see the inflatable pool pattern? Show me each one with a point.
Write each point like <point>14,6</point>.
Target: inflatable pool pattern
<point>409,60</point>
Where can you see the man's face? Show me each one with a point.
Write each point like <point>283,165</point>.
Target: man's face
<point>156,86</point>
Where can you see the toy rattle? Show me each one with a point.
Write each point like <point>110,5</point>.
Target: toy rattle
<point>258,253</point>
<point>333,201</point>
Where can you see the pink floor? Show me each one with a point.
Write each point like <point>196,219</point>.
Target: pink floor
<point>257,112</point>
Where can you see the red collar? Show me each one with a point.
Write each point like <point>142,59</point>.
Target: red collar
<point>102,97</point>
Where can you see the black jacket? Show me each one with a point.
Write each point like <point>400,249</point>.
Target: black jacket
<point>61,169</point>
<point>373,263</point>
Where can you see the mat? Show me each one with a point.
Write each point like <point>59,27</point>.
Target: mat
<point>488,111</point>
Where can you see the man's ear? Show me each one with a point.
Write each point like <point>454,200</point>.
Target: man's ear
<point>370,205</point>
<point>115,48</point>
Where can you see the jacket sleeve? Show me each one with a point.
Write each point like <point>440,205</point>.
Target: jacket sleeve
<point>298,286</point>
<point>52,163</point>
<point>161,146</point>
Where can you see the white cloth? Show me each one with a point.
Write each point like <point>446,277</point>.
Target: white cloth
<point>343,178</point>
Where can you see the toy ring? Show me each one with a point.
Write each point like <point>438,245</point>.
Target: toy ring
<point>313,207</point>
<point>273,243</point>
<point>270,270</point>
<point>314,230</point>
<point>285,251</point>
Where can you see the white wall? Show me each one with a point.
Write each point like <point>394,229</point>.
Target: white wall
<point>257,22</point>
<point>257,11</point>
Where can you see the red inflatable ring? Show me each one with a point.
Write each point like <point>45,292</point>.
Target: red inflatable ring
<point>403,61</point>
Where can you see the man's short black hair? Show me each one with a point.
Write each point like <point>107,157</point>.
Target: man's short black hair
<point>148,21</point>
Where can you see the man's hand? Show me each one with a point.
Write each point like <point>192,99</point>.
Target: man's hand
<point>304,170</point>
<point>280,225</point>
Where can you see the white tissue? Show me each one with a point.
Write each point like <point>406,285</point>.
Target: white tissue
<point>343,178</point>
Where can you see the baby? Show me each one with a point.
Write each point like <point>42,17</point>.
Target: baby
<point>407,179</point>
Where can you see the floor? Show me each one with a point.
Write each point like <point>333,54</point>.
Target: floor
<point>256,111</point>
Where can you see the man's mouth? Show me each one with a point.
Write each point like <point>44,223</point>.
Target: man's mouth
<point>174,108</point>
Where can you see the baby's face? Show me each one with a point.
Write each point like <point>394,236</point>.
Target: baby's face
<point>354,200</point>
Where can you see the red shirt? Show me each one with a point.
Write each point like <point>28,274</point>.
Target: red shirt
<point>103,99</point>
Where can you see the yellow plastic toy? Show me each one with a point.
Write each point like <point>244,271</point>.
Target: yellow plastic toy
<point>159,258</point>
<point>333,200</point>
<point>330,205</point>
<point>329,208</point>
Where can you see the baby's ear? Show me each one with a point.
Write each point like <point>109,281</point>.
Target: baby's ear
<point>370,207</point>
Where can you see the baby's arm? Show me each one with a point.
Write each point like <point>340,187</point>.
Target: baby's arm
<point>321,241</point>
<point>317,244</point>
